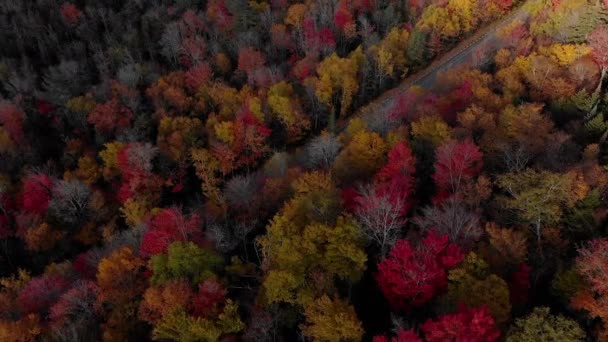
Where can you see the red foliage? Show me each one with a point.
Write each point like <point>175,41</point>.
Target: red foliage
<point>405,106</point>
<point>520,284</point>
<point>394,181</point>
<point>210,295</point>
<point>11,118</point>
<point>411,276</point>
<point>41,292</point>
<point>349,198</point>
<point>168,226</point>
<point>456,101</point>
<point>250,59</point>
<point>82,297</point>
<point>196,76</point>
<point>109,116</point>
<point>471,325</point>
<point>83,265</point>
<point>37,193</point>
<point>598,40</point>
<point>44,107</point>
<point>70,13</point>
<point>456,163</point>
<point>342,17</point>
<point>402,336</point>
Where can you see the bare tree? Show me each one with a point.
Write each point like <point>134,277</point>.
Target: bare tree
<point>453,219</point>
<point>322,150</point>
<point>380,218</point>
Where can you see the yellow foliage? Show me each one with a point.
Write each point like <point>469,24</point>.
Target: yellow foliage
<point>339,73</point>
<point>332,320</point>
<point>177,134</point>
<point>109,156</point>
<point>431,128</point>
<point>88,171</point>
<point>390,53</point>
<point>565,54</point>
<point>361,158</point>
<point>134,211</point>
<point>471,284</point>
<point>81,104</point>
<point>224,131</point>
<point>26,329</point>
<point>295,14</point>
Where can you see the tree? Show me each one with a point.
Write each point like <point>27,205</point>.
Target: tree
<point>11,118</point>
<point>167,226</point>
<point>178,326</point>
<point>456,163</point>
<point>160,301</point>
<point>120,277</point>
<point>331,320</point>
<point>322,150</point>
<point>475,325</point>
<point>452,218</point>
<point>540,197</point>
<point>472,284</point>
<point>511,244</point>
<point>338,76</point>
<point>37,192</point>
<point>41,293</point>
<point>110,116</point>
<point>361,158</point>
<point>184,260</point>
<point>542,326</point>
<point>591,264</point>
<point>432,129</point>
<point>411,276</point>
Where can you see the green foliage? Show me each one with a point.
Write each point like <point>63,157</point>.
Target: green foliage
<point>178,326</point>
<point>184,260</point>
<point>580,217</point>
<point>541,326</point>
<point>473,285</point>
<point>416,47</point>
<point>566,283</point>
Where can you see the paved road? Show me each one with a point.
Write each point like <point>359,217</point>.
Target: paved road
<point>466,52</point>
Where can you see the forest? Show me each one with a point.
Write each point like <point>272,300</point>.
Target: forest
<point>318,170</point>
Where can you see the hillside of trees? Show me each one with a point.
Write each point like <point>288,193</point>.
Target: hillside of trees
<point>202,170</point>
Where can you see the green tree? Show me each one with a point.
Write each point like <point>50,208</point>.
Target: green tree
<point>472,284</point>
<point>541,326</point>
<point>184,260</point>
<point>540,197</point>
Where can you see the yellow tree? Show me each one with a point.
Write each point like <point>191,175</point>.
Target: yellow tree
<point>338,77</point>
<point>361,158</point>
<point>331,320</point>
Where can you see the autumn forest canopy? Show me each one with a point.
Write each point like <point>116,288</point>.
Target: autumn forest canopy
<point>319,170</point>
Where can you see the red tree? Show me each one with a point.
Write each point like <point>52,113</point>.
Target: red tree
<point>41,292</point>
<point>37,190</point>
<point>402,336</point>
<point>411,276</point>
<point>396,179</point>
<point>471,325</point>
<point>168,226</point>
<point>456,163</point>
<point>598,40</point>
<point>70,13</point>
<point>211,294</point>
<point>109,116</point>
<point>520,284</point>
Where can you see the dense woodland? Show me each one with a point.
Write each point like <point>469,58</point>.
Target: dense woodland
<point>191,170</point>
